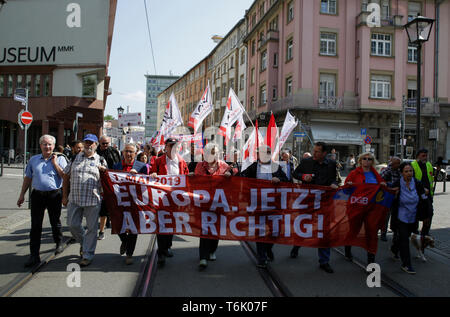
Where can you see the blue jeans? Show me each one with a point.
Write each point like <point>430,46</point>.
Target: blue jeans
<point>324,255</point>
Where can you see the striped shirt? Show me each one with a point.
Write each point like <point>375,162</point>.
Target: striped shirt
<point>85,185</point>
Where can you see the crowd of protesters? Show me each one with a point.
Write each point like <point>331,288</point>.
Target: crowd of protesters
<point>71,177</point>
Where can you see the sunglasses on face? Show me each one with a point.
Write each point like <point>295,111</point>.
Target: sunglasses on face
<point>367,159</point>
<point>105,143</point>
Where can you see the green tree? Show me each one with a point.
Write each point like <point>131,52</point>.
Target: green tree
<point>108,118</point>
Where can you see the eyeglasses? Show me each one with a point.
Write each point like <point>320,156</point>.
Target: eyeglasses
<point>105,143</point>
<point>129,151</point>
<point>88,142</point>
<point>367,159</point>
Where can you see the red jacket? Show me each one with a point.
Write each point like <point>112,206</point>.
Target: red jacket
<point>357,176</point>
<point>160,166</point>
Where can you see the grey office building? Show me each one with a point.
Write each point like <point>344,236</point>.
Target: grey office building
<point>155,85</point>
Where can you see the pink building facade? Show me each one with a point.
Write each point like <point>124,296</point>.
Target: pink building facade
<point>321,60</point>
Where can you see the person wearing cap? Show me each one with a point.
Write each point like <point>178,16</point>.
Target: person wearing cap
<point>423,172</point>
<point>170,163</point>
<point>83,177</point>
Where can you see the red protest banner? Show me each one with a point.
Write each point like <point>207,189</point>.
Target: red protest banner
<point>239,208</point>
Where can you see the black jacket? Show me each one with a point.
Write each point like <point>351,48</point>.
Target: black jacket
<point>111,155</point>
<point>252,172</point>
<point>325,174</point>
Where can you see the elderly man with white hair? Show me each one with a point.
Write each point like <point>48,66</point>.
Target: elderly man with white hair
<point>44,174</point>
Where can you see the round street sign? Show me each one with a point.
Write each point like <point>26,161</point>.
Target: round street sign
<point>26,118</point>
<point>368,140</point>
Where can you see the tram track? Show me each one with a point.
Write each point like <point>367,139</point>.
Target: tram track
<point>269,276</point>
<point>386,281</point>
<point>23,278</point>
<point>144,285</point>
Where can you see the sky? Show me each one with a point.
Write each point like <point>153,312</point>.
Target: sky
<point>181,32</point>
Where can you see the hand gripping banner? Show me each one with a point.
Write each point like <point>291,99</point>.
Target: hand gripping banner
<point>248,209</point>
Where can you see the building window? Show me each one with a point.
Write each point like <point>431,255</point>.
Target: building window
<point>253,20</point>
<point>261,10</point>
<point>274,93</point>
<point>414,8</point>
<point>9,88</point>
<point>231,83</point>
<point>412,54</point>
<point>252,78</point>
<point>380,87</point>
<point>224,90</point>
<point>19,81</point>
<point>273,26</point>
<point>28,83</point>
<point>288,86</point>
<point>289,49</point>
<point>327,87</point>
<point>243,57</point>
<point>264,60</point>
<point>252,103</point>
<point>232,62</point>
<point>89,85</point>
<point>290,11</point>
<point>37,85</point>
<point>275,60</point>
<point>2,86</point>
<point>262,96</point>
<point>241,82</point>
<point>381,44</point>
<point>328,44</point>
<point>328,6</point>
<point>412,89</point>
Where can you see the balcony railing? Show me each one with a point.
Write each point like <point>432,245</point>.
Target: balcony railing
<point>302,101</point>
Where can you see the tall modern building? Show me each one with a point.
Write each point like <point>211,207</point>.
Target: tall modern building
<point>155,85</point>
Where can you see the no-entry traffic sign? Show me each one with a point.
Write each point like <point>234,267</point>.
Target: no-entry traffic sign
<point>26,117</point>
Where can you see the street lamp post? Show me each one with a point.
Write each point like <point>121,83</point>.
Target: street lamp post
<point>120,111</point>
<point>419,30</point>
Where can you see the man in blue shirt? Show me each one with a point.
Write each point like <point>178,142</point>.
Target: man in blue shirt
<point>44,175</point>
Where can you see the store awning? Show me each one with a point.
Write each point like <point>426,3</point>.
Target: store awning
<point>337,133</point>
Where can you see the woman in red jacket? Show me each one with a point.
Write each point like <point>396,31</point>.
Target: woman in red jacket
<point>211,166</point>
<point>364,173</point>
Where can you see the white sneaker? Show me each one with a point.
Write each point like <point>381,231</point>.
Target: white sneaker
<point>203,264</point>
<point>212,257</point>
<point>421,256</point>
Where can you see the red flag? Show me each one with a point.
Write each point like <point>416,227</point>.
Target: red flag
<point>271,134</point>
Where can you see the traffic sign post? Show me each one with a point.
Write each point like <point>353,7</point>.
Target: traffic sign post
<point>25,119</point>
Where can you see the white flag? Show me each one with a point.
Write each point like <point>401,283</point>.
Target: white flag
<point>288,126</point>
<point>202,110</point>
<point>172,117</point>
<point>233,112</point>
<point>250,149</point>
<point>240,126</point>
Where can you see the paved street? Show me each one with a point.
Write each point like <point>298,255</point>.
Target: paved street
<point>232,275</point>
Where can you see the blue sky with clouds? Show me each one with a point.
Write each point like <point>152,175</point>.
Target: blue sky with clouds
<point>181,35</point>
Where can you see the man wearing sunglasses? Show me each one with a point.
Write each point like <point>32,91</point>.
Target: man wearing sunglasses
<point>84,200</point>
<point>112,157</point>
